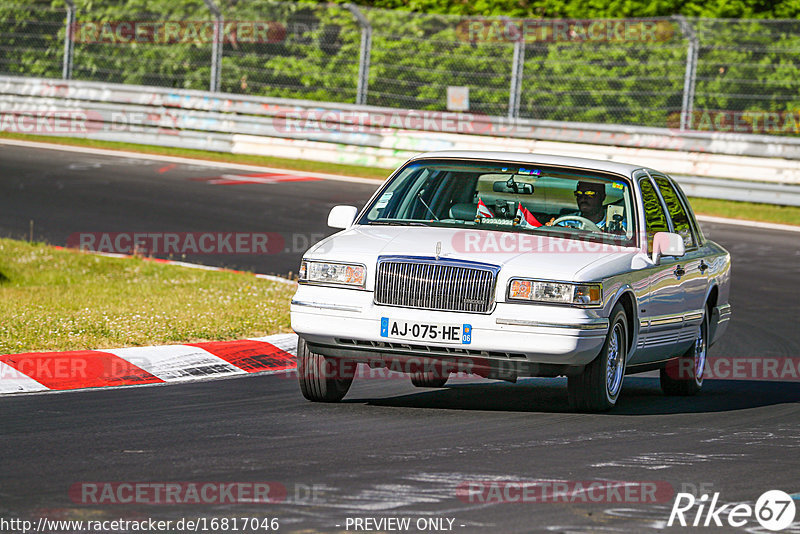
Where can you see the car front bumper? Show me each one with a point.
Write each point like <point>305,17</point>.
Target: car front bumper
<point>346,323</point>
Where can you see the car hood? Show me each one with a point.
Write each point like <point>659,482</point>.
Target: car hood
<point>518,254</point>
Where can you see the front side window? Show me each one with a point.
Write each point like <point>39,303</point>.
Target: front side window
<point>680,221</point>
<point>654,217</point>
<point>510,197</point>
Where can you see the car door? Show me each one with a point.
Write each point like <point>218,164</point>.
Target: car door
<point>691,270</point>
<point>661,320</point>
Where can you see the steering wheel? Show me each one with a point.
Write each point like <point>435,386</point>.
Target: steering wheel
<point>586,224</point>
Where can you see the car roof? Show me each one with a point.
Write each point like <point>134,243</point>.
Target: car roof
<point>625,169</point>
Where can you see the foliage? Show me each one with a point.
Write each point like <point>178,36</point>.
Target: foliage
<point>313,50</point>
<point>581,9</point>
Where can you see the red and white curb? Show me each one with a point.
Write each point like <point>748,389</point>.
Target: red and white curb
<point>43,371</point>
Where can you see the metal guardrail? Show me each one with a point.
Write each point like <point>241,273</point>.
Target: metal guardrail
<point>385,137</point>
<point>764,193</point>
<point>600,134</point>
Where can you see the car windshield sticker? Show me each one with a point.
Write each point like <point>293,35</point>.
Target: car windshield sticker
<point>384,200</point>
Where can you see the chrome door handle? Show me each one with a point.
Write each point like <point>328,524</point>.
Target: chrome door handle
<point>703,267</point>
<point>679,271</point>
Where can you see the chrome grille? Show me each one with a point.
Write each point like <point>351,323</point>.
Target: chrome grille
<point>435,286</point>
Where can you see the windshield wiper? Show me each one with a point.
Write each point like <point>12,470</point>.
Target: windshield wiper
<point>399,223</point>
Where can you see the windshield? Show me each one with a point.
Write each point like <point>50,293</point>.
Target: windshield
<point>504,196</point>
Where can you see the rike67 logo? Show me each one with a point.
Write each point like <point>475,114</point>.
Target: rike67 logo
<point>774,510</point>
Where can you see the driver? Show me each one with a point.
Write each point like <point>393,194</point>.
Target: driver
<point>589,197</point>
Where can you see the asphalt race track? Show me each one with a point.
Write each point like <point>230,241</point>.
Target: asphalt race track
<point>389,450</point>
<point>66,194</point>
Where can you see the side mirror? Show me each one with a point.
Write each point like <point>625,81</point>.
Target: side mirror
<point>342,216</point>
<point>667,244</point>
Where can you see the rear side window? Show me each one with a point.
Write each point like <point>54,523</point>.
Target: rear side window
<point>654,216</point>
<point>680,221</point>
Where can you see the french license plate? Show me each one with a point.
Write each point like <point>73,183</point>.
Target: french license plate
<point>448,333</point>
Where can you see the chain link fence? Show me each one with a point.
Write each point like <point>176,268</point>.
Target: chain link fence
<point>308,51</point>
<point>687,74</point>
<point>32,39</point>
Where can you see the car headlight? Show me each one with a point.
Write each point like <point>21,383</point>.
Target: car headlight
<point>556,292</point>
<point>322,272</point>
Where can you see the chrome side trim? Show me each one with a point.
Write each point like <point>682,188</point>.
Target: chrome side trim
<point>327,306</point>
<point>693,316</point>
<point>644,323</point>
<point>671,319</point>
<point>595,325</point>
<point>661,339</point>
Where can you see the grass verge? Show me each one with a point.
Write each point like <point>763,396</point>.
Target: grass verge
<point>53,299</point>
<point>749,211</point>
<point>718,208</point>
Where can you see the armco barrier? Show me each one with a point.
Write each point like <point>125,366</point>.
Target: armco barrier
<point>756,168</point>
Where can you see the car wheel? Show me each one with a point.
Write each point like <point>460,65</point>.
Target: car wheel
<point>322,379</point>
<point>597,388</point>
<point>429,379</point>
<point>684,375</point>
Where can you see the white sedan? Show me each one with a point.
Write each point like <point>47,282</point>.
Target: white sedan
<point>510,265</point>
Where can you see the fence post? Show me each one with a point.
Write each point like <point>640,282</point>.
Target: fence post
<point>690,75</point>
<point>66,72</point>
<point>516,78</point>
<point>216,46</point>
<point>364,54</point>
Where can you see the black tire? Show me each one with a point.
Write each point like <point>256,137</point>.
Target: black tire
<point>598,387</point>
<point>683,376</point>
<point>429,379</point>
<point>322,379</point>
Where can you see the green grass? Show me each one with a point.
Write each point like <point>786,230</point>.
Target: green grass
<point>53,299</point>
<point>704,206</point>
<point>747,210</point>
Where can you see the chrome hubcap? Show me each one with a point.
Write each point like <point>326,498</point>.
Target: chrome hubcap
<point>615,361</point>
<point>699,355</point>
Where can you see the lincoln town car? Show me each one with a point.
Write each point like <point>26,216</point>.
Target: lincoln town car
<point>506,265</point>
